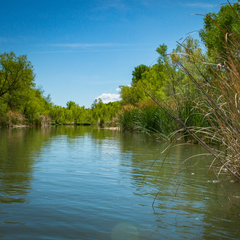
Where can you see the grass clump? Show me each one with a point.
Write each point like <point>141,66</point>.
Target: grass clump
<point>146,117</point>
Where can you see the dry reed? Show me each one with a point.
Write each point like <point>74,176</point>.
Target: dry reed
<point>219,102</point>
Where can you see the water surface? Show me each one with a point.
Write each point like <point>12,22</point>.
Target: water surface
<point>85,183</point>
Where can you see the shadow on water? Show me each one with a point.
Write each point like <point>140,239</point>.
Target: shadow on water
<point>18,147</point>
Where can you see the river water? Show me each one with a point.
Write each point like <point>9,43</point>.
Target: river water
<point>85,183</point>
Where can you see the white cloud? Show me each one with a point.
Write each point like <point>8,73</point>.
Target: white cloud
<point>198,5</point>
<point>87,45</point>
<point>117,4</point>
<point>2,39</point>
<point>118,89</point>
<point>109,97</point>
<point>10,40</point>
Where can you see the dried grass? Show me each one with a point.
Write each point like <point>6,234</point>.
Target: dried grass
<point>220,104</point>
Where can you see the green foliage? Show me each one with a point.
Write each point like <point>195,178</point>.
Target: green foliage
<point>57,114</point>
<point>168,83</point>
<point>16,74</point>
<point>34,104</point>
<point>71,104</point>
<point>132,94</point>
<point>162,50</point>
<point>78,113</point>
<point>74,114</point>
<point>217,28</point>
<point>154,81</point>
<point>19,98</point>
<point>147,118</point>
<point>174,75</point>
<point>162,80</point>
<point>104,112</point>
<point>3,113</point>
<point>138,72</point>
<point>128,118</point>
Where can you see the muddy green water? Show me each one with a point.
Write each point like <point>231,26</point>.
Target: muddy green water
<point>85,183</point>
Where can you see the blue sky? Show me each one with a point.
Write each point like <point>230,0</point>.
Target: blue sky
<point>82,50</point>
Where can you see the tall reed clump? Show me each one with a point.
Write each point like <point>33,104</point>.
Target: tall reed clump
<point>219,102</point>
<point>152,119</point>
<point>128,117</point>
<point>146,117</point>
<point>188,116</point>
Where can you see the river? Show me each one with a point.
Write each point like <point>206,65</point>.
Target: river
<point>88,183</point>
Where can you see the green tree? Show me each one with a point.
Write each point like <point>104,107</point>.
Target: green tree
<point>174,75</point>
<point>137,73</point>
<point>69,115</point>
<point>132,94</point>
<point>218,27</point>
<point>191,57</point>
<point>154,81</point>
<point>57,114</point>
<point>70,104</point>
<point>33,104</point>
<point>78,113</point>
<point>16,74</point>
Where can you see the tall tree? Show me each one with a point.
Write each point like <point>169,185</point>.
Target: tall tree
<point>174,75</point>
<point>16,73</point>
<point>70,104</point>
<point>137,73</point>
<point>132,94</point>
<point>221,29</point>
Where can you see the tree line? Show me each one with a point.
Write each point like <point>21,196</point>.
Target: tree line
<point>22,102</point>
